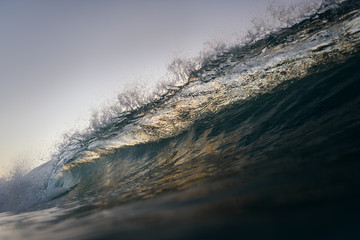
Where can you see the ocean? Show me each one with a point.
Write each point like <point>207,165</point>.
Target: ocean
<point>258,140</point>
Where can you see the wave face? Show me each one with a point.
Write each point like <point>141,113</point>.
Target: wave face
<point>255,140</point>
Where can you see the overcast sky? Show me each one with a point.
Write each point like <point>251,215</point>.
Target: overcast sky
<point>61,59</point>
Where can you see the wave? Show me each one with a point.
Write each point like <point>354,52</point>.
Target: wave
<point>146,144</point>
<point>237,74</point>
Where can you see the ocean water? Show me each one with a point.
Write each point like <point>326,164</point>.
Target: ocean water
<point>254,141</point>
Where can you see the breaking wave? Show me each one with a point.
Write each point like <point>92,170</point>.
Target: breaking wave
<point>282,99</point>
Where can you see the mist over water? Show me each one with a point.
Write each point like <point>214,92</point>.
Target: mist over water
<point>249,139</point>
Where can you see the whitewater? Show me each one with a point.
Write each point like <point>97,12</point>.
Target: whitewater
<point>259,139</point>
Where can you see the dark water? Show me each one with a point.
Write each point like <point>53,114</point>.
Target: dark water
<point>261,141</point>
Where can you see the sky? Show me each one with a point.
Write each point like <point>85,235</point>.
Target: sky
<point>59,60</point>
